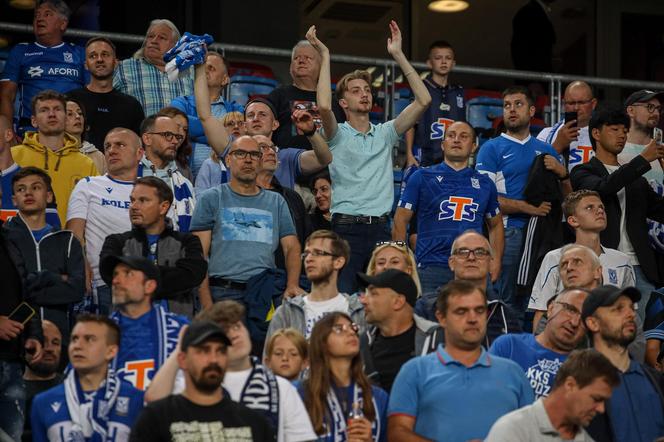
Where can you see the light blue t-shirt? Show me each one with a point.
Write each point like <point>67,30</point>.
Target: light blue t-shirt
<point>539,363</point>
<point>245,230</point>
<point>455,403</point>
<point>361,169</point>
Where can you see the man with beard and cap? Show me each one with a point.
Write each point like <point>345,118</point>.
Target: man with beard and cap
<point>635,411</point>
<point>43,374</point>
<point>325,254</point>
<point>204,411</point>
<point>541,356</point>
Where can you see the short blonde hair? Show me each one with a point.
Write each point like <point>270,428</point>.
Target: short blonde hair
<point>342,85</point>
<point>234,115</point>
<point>292,335</point>
<point>408,255</point>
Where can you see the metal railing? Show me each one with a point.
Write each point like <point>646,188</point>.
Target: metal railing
<point>555,81</point>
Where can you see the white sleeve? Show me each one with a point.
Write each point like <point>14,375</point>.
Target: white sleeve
<point>178,383</point>
<point>629,279</point>
<point>544,133</point>
<point>79,201</point>
<point>546,283</point>
<point>294,423</point>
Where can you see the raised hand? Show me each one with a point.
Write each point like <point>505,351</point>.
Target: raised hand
<point>394,42</point>
<point>303,120</point>
<point>314,41</point>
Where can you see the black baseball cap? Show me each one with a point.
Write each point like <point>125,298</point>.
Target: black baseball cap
<point>199,332</point>
<point>605,296</point>
<point>265,101</point>
<point>107,266</point>
<point>400,282</point>
<point>643,96</point>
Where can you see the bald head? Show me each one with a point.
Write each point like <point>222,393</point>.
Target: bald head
<point>131,136</point>
<point>579,98</point>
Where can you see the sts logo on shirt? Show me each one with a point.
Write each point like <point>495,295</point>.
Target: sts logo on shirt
<point>439,127</point>
<point>137,372</point>
<point>580,154</point>
<point>458,208</point>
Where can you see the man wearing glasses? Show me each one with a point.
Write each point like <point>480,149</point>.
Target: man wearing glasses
<point>541,356</point>
<point>161,137</point>
<point>644,109</point>
<point>449,199</point>
<point>240,227</point>
<point>570,138</point>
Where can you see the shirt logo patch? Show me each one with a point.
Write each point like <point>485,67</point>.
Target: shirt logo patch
<point>613,276</point>
<point>122,406</point>
<point>439,178</point>
<point>458,208</point>
<point>580,155</point>
<point>459,100</point>
<point>109,189</point>
<point>439,127</point>
<point>55,406</point>
<point>69,57</point>
<point>35,71</point>
<point>507,156</point>
<point>475,183</point>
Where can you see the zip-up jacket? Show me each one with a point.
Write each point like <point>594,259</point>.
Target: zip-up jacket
<point>428,335</point>
<point>58,253</point>
<point>66,166</point>
<point>179,257</point>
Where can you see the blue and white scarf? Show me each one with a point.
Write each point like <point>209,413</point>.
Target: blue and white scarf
<point>340,419</point>
<point>90,418</point>
<point>188,51</point>
<point>261,392</point>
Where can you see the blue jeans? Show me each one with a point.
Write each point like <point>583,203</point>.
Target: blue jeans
<point>506,284</point>
<point>431,277</point>
<point>226,294</point>
<point>104,300</point>
<point>12,399</point>
<point>362,239</point>
<point>645,287</point>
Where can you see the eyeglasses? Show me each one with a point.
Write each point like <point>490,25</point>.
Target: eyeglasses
<point>649,107</point>
<point>577,103</point>
<point>265,147</point>
<point>242,154</point>
<point>316,252</point>
<point>392,243</point>
<point>342,328</point>
<point>465,252</point>
<point>234,124</point>
<point>170,136</point>
<point>569,309</point>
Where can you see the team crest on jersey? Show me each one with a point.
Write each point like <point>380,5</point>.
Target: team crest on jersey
<point>439,127</point>
<point>69,57</point>
<point>439,178</point>
<point>475,183</point>
<point>35,71</point>
<point>122,406</point>
<point>109,189</point>
<point>55,406</point>
<point>458,208</point>
<point>613,276</point>
<point>459,100</point>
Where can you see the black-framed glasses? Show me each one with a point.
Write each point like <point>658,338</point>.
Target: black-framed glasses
<point>265,147</point>
<point>577,103</point>
<point>342,328</point>
<point>316,252</point>
<point>649,107</point>
<point>242,154</point>
<point>569,309</point>
<point>465,252</point>
<point>170,136</point>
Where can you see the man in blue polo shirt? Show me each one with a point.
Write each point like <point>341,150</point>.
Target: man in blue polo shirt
<point>449,199</point>
<point>48,63</point>
<point>458,392</point>
<point>361,168</point>
<point>507,160</point>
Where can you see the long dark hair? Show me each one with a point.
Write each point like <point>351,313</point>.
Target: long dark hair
<point>317,386</point>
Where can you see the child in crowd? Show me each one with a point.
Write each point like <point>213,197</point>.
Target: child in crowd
<point>287,353</point>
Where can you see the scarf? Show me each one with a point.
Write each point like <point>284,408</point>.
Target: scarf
<point>261,392</point>
<point>189,50</point>
<point>90,418</point>
<point>339,418</point>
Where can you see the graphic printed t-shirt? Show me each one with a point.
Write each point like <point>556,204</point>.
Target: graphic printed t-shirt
<point>314,311</point>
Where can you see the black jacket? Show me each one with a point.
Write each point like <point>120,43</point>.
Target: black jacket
<point>13,293</point>
<point>641,203</point>
<point>58,253</point>
<point>179,258</point>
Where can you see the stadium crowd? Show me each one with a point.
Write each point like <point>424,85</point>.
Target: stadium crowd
<point>167,276</point>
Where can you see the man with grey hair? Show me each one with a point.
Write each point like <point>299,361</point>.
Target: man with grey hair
<point>301,94</point>
<point>47,63</point>
<point>144,75</point>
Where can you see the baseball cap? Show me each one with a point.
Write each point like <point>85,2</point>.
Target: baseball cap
<point>199,332</point>
<point>605,296</point>
<point>642,96</point>
<point>400,282</point>
<point>265,101</point>
<point>146,266</point>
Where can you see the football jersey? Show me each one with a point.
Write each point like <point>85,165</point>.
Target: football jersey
<point>103,202</point>
<point>34,67</point>
<point>580,151</point>
<point>447,203</point>
<point>8,209</point>
<point>616,270</point>
<point>507,162</point>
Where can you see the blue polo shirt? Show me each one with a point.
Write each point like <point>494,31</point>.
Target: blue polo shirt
<point>361,169</point>
<point>452,402</point>
<point>635,408</point>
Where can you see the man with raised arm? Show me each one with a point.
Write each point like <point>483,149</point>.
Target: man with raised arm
<point>361,169</point>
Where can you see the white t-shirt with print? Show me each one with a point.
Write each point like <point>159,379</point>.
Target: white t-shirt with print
<point>315,310</point>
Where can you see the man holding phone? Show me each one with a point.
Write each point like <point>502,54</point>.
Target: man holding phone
<point>570,136</point>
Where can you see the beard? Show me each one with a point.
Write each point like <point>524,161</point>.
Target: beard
<point>209,384</point>
<point>322,276</point>
<point>44,369</point>
<point>616,336</point>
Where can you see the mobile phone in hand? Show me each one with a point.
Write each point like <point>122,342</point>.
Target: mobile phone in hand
<point>657,135</point>
<point>570,116</point>
<point>23,313</point>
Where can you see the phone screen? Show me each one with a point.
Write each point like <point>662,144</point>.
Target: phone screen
<point>569,116</point>
<point>657,135</point>
<point>22,313</point>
